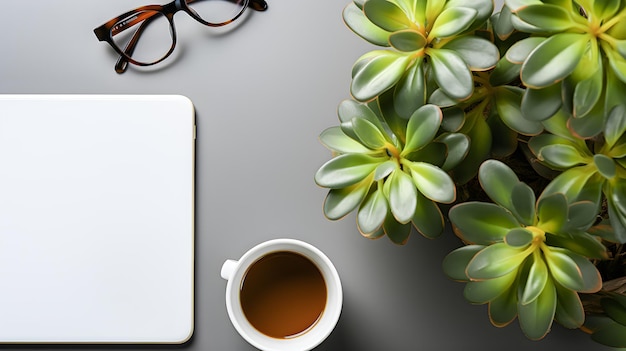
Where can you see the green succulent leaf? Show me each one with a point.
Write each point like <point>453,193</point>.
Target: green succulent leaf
<point>457,145</point>
<point>350,109</point>
<point>581,243</point>
<point>355,19</point>
<point>615,310</point>
<point>587,92</point>
<point>611,335</point>
<point>384,169</point>
<point>569,309</point>
<point>495,261</point>
<point>398,233</point>
<point>541,104</point>
<point>368,134</point>
<point>428,219</point>
<point>433,182</point>
<point>536,280</point>
<point>503,309</point>
<point>455,262</point>
<point>536,317</point>
<point>605,165</point>
<point>482,223</point>
<point>422,127</point>
<point>505,72</point>
<point>402,196</point>
<point>336,140</point>
<point>410,91</point>
<point>498,181</point>
<point>451,73</point>
<point>345,170</point>
<point>518,237</point>
<point>553,60</point>
<point>452,21</point>
<point>550,18</point>
<point>386,15</point>
<point>562,156</point>
<point>615,125</point>
<point>518,52</point>
<point>486,290</point>
<point>582,214</point>
<point>376,72</point>
<point>516,5</point>
<point>508,102</point>
<point>552,211</point>
<point>564,269</point>
<point>478,53</point>
<point>502,25</point>
<point>340,202</point>
<point>523,201</point>
<point>439,98</point>
<point>606,8</point>
<point>407,40</point>
<point>372,212</point>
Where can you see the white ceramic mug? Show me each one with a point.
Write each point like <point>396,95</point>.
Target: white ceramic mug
<point>235,271</point>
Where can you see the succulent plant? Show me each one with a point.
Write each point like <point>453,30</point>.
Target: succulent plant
<point>526,259</point>
<point>392,180</point>
<point>515,121</point>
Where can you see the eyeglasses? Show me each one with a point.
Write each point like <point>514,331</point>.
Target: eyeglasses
<point>157,23</point>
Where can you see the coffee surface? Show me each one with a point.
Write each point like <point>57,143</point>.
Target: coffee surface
<point>283,294</point>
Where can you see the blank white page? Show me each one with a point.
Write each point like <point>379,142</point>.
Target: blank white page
<point>96,218</point>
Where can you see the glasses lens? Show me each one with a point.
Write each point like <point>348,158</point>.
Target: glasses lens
<point>144,36</point>
<point>217,11</point>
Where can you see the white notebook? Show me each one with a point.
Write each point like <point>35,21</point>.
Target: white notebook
<point>96,218</point>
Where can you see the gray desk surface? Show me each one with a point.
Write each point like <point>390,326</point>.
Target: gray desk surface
<point>263,91</point>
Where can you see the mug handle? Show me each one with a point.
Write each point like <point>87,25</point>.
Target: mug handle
<point>228,268</point>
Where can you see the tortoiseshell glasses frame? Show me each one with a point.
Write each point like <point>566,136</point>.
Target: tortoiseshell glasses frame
<point>145,15</point>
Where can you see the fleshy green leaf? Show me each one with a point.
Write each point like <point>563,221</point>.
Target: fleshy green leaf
<point>407,40</point>
<point>504,73</point>
<point>587,92</point>
<point>372,212</point>
<point>552,211</point>
<point>355,19</point>
<point>433,182</point>
<point>553,60</point>
<point>410,92</point>
<point>581,243</point>
<point>402,196</point>
<point>350,109</point>
<point>495,261</point>
<point>481,223</point>
<point>428,219</point>
<point>457,145</point>
<point>386,15</point>
<point>452,21</point>
<point>451,73</point>
<point>562,156</point>
<point>336,140</point>
<point>503,309</point>
<point>536,317</point>
<point>486,290</point>
<point>535,281</point>
<point>376,72</point>
<point>582,215</point>
<point>569,309</point>
<point>615,125</point>
<point>345,170</point>
<point>478,53</point>
<point>541,104</point>
<point>518,237</point>
<point>516,5</point>
<point>550,18</point>
<point>606,8</point>
<point>508,102</point>
<point>518,52</point>
<point>384,169</point>
<point>455,262</point>
<point>422,127</point>
<point>615,310</point>
<point>523,200</point>
<point>564,269</point>
<point>498,181</point>
<point>368,134</point>
<point>612,335</point>
<point>398,233</point>
<point>605,165</point>
<point>340,202</point>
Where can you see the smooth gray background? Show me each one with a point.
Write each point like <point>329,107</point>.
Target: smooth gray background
<point>263,90</point>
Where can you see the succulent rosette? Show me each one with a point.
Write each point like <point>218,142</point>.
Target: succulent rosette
<point>428,40</point>
<point>394,181</point>
<point>525,258</point>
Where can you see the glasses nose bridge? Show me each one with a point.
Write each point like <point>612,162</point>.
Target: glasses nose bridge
<point>171,8</point>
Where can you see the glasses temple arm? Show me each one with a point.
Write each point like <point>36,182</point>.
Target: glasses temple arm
<point>122,62</point>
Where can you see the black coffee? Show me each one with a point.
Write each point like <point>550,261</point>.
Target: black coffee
<point>283,294</point>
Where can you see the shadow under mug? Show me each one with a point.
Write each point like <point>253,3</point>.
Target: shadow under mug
<point>235,273</point>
